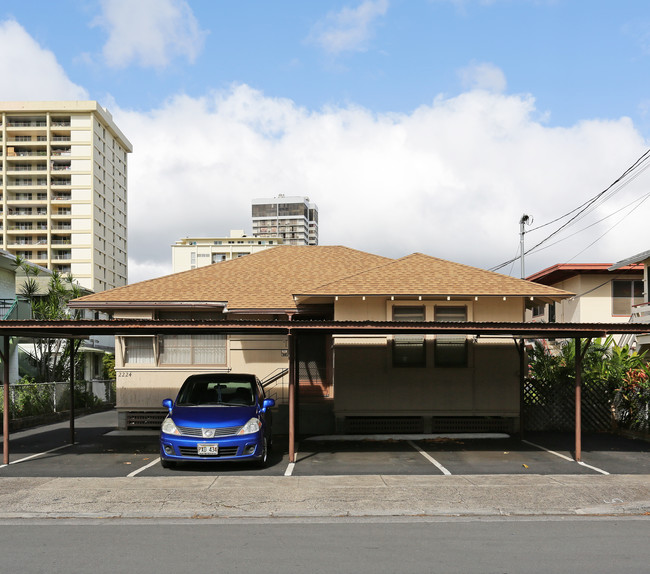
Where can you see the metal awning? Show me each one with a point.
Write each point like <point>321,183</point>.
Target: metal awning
<point>122,327</point>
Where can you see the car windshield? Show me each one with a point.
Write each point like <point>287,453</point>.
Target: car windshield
<point>210,392</point>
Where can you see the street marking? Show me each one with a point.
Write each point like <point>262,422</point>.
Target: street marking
<point>566,457</point>
<point>292,465</point>
<point>138,471</point>
<point>39,454</point>
<point>430,459</point>
<point>593,468</point>
<point>549,451</point>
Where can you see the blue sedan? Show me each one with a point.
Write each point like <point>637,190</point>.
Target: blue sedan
<point>217,417</point>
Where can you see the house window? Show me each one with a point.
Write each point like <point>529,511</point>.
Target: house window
<point>538,310</point>
<point>409,350</point>
<point>625,294</point>
<point>138,350</point>
<point>450,350</point>
<point>193,350</point>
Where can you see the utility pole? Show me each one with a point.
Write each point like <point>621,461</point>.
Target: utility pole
<point>525,220</point>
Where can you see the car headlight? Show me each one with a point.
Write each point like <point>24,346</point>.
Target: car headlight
<point>168,427</point>
<point>252,426</point>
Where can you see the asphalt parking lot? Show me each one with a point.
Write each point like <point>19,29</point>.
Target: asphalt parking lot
<point>102,451</point>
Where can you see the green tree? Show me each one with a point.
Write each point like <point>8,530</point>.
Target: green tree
<point>623,373</point>
<point>51,356</point>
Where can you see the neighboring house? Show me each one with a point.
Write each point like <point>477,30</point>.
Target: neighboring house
<point>192,252</point>
<point>641,310</point>
<point>352,383</point>
<point>10,307</point>
<point>602,295</point>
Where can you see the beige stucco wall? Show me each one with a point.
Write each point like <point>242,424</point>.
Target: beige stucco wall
<point>380,308</point>
<point>143,387</point>
<point>593,301</point>
<point>367,383</point>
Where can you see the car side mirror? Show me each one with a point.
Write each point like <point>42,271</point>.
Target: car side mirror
<point>267,404</point>
<point>169,404</point>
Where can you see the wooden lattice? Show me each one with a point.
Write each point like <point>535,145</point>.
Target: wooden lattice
<point>551,406</point>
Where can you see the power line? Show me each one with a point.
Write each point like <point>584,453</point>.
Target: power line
<point>588,206</point>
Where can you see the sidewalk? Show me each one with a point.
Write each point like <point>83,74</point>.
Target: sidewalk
<point>338,496</point>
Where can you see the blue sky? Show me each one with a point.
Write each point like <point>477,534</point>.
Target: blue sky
<point>415,125</point>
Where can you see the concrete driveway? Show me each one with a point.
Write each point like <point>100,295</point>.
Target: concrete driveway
<point>101,451</point>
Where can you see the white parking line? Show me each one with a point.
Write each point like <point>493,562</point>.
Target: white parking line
<point>593,467</point>
<point>430,459</point>
<point>38,454</point>
<point>145,467</point>
<point>549,451</point>
<point>292,465</point>
<point>565,457</point>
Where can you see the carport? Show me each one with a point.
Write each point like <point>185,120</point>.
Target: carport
<point>519,332</point>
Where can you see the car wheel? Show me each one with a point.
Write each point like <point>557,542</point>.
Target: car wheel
<point>167,463</point>
<point>261,463</point>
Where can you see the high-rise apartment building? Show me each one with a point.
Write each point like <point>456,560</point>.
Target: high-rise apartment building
<point>63,178</point>
<point>192,252</point>
<point>295,219</point>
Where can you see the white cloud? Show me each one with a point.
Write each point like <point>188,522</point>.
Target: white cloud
<point>29,71</point>
<point>483,76</point>
<point>149,32</point>
<point>350,29</point>
<point>451,179</point>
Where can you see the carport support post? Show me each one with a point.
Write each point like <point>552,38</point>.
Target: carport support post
<point>580,353</point>
<point>72,353</point>
<point>5,409</point>
<point>521,347</point>
<point>291,341</point>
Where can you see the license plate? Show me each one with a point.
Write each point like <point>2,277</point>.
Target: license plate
<point>207,449</point>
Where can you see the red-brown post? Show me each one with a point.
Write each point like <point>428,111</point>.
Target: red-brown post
<point>578,423</point>
<point>291,343</point>
<point>5,410</point>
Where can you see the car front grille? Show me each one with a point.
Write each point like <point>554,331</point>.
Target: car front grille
<point>223,451</point>
<point>224,431</point>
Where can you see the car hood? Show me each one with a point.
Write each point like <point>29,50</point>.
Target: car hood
<point>212,416</point>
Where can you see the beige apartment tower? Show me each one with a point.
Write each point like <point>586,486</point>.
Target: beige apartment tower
<point>63,178</point>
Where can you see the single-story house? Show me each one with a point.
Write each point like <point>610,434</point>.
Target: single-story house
<point>353,383</point>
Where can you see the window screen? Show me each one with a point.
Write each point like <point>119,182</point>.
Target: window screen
<point>409,350</point>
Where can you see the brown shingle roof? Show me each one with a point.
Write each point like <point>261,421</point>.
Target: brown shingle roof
<point>269,279</point>
<point>264,280</point>
<point>419,274</point>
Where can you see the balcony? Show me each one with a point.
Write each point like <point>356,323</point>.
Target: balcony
<point>12,152</point>
<point>21,212</point>
<point>38,122</point>
<point>57,152</point>
<point>640,313</point>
